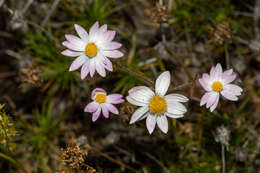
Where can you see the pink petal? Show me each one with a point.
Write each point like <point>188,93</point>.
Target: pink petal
<point>112,108</point>
<point>70,53</point>
<point>77,62</point>
<point>108,64</point>
<point>204,98</point>
<point>96,91</point>
<point>101,70</point>
<point>212,97</point>
<point>95,115</point>
<point>162,83</point>
<point>115,98</point>
<point>234,89</point>
<point>110,35</point>
<point>91,107</point>
<point>74,47</point>
<point>138,114</point>
<point>212,71</point>
<point>228,78</point>
<point>218,69</point>
<point>151,122</point>
<point>162,123</point>
<point>94,29</point>
<point>228,72</point>
<point>74,40</point>
<point>205,82</point>
<point>105,110</point>
<point>213,107</point>
<point>112,53</point>
<point>111,45</point>
<point>92,68</point>
<point>103,28</point>
<point>85,70</point>
<point>83,34</point>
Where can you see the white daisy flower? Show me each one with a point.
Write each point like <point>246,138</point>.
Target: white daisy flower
<point>156,106</point>
<point>92,50</point>
<point>216,83</point>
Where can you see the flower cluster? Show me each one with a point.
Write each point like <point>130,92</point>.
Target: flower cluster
<point>93,51</point>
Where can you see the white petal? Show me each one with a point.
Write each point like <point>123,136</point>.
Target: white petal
<point>212,98</point>
<point>174,115</point>
<point>92,67</point>
<point>112,53</point>
<point>176,97</point>
<point>151,122</point>
<point>213,107</point>
<point>176,108</point>
<point>112,108</point>
<point>162,83</point>
<point>83,34</point>
<point>229,95</point>
<point>141,94</point>
<point>135,102</point>
<point>70,53</point>
<point>85,69</point>
<point>100,69</point>
<point>138,114</point>
<point>78,62</point>
<point>233,89</point>
<point>162,123</point>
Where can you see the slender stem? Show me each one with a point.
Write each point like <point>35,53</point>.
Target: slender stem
<point>134,74</point>
<point>227,56</point>
<point>223,158</point>
<point>180,87</point>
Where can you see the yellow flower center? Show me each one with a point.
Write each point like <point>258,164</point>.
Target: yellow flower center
<point>91,50</point>
<point>158,105</point>
<point>101,98</point>
<point>217,86</point>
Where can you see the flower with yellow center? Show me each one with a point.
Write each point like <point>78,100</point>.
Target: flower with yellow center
<point>92,50</point>
<point>101,98</point>
<point>218,83</point>
<point>217,86</point>
<point>156,106</point>
<point>103,103</point>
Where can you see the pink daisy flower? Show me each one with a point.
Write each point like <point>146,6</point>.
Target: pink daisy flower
<point>156,106</point>
<point>216,83</point>
<point>103,103</point>
<point>92,50</point>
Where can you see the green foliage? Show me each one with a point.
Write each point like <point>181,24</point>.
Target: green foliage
<point>54,66</point>
<point>44,130</point>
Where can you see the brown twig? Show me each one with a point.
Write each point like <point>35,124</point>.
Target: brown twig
<point>180,87</point>
<point>134,74</point>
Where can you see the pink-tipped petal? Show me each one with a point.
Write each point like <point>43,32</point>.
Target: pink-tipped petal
<point>212,97</point>
<point>96,115</point>
<point>151,122</point>
<point>70,53</point>
<point>108,64</point>
<point>213,107</point>
<point>92,68</point>
<point>103,28</point>
<point>110,35</point>
<point>204,98</point>
<point>228,72</point>
<point>138,114</point>
<point>96,91</point>
<point>205,82</point>
<point>112,53</point>
<point>162,123</point>
<point>91,107</point>
<point>94,29</point>
<point>228,78</point>
<point>74,47</point>
<point>83,34</point>
<point>110,45</point>
<point>105,110</point>
<point>162,83</point>
<point>100,70</point>
<point>84,70</point>
<point>77,62</point>
<point>115,98</point>
<point>218,69</point>
<point>112,108</point>
<point>74,40</point>
<point>212,71</point>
